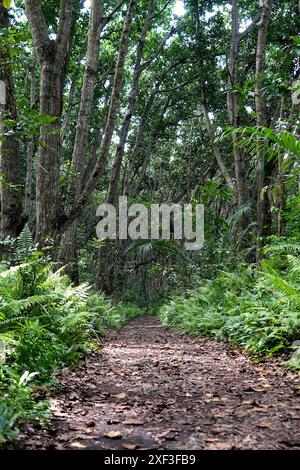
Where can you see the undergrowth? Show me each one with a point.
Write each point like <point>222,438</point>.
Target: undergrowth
<point>258,310</point>
<point>45,323</point>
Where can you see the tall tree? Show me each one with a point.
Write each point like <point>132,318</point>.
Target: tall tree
<point>96,23</point>
<point>52,55</point>
<point>103,154</point>
<point>214,145</point>
<point>10,170</point>
<point>30,146</point>
<point>261,120</point>
<point>68,252</point>
<point>234,111</point>
<point>130,106</point>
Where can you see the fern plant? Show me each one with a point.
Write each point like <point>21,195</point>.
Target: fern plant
<point>25,244</point>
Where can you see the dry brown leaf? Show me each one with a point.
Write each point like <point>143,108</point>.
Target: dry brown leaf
<point>129,446</point>
<point>220,446</point>
<point>211,439</point>
<point>247,439</point>
<point>223,445</point>
<point>113,435</point>
<point>216,430</point>
<point>265,424</point>
<point>133,422</point>
<point>91,423</point>
<point>258,390</point>
<point>166,432</point>
<point>78,445</point>
<point>73,396</point>
<point>120,395</point>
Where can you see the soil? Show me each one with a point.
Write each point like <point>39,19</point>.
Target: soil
<point>152,388</point>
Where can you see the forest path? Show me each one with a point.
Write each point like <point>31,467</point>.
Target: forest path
<point>152,388</point>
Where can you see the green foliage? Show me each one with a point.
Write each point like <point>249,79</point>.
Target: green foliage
<point>24,243</point>
<point>257,311</point>
<point>45,323</point>
<point>276,144</point>
<point>17,403</point>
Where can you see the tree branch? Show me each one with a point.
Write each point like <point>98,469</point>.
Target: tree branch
<point>250,28</point>
<point>110,122</point>
<point>159,48</point>
<point>64,27</point>
<point>108,18</point>
<point>38,26</point>
<point>161,10</point>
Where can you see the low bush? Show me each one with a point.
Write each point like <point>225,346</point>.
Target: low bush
<point>258,311</point>
<point>45,324</point>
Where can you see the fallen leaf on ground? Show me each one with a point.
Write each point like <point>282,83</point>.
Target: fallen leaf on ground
<point>133,422</point>
<point>129,446</point>
<point>120,395</point>
<point>113,421</point>
<point>78,445</point>
<point>73,396</point>
<point>265,424</point>
<point>211,439</point>
<point>221,446</point>
<point>113,435</point>
<point>247,439</point>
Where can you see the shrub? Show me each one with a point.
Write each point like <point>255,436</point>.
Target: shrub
<point>45,323</point>
<point>257,311</point>
<point>17,403</point>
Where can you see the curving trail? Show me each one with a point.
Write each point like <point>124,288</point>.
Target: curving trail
<point>152,388</point>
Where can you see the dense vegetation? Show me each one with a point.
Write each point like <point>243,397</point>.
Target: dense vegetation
<point>45,324</point>
<point>161,101</point>
<point>258,311</point>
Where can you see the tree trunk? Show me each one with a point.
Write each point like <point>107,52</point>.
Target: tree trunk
<point>233,114</point>
<point>68,248</point>
<point>149,150</point>
<point>30,147</point>
<point>261,120</point>
<point>52,55</point>
<point>48,162</point>
<point>115,175</point>
<point>100,165</point>
<point>66,117</point>
<point>10,171</point>
<point>139,137</point>
<point>215,147</point>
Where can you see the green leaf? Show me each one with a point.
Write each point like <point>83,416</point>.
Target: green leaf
<point>7,4</point>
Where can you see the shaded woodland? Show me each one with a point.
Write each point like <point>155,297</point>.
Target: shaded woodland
<point>161,101</point>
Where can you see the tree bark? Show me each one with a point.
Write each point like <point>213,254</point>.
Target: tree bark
<point>68,250</point>
<point>152,142</point>
<point>261,120</point>
<point>130,106</point>
<point>10,170</point>
<point>66,117</point>
<point>140,132</point>
<point>215,147</point>
<point>100,165</point>
<point>52,55</point>
<point>30,147</point>
<point>233,113</point>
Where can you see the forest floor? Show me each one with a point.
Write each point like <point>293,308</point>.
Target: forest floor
<point>152,388</point>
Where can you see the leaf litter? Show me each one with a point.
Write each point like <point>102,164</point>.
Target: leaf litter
<point>152,388</point>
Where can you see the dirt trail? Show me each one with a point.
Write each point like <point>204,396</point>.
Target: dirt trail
<point>151,388</point>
